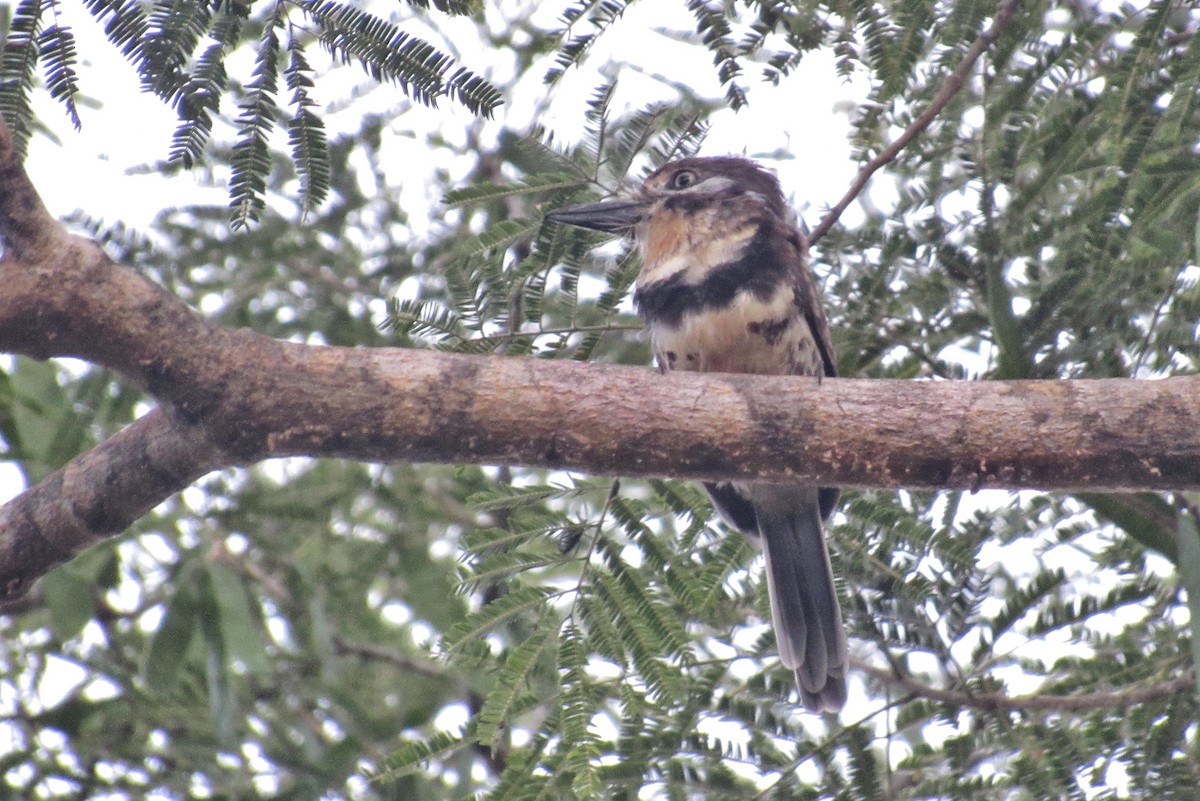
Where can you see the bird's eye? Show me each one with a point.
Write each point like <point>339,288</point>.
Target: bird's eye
<point>683,179</point>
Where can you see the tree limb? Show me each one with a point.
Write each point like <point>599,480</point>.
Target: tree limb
<point>257,398</point>
<point>99,494</point>
<point>234,397</point>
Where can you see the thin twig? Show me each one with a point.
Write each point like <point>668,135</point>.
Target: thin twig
<point>379,653</point>
<point>954,82</point>
<point>1000,702</point>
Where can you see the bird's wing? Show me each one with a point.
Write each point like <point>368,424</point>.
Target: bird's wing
<point>808,300</point>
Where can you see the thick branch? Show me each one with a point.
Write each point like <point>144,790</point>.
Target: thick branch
<point>258,397</point>
<point>99,494</point>
<point>235,397</point>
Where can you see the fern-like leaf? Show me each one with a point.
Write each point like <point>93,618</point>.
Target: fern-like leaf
<point>543,182</point>
<point>505,564</point>
<point>452,7</point>
<point>569,55</point>
<point>709,586</point>
<point>595,127</point>
<point>306,132</point>
<point>713,28</point>
<point>499,236</point>
<point>251,161</point>
<point>172,33</point>
<point>387,53</point>
<point>18,61</point>
<point>515,781</point>
<point>425,318</point>
<point>602,635</point>
<point>600,14</point>
<point>682,137</point>
<point>57,47</point>
<point>512,497</point>
<point>517,667</point>
<point>125,24</point>
<point>664,622</point>
<point>503,539</point>
<point>577,711</point>
<point>863,765</point>
<point>473,91</point>
<point>201,97</point>
<point>409,757</point>
<point>504,608</point>
<point>1024,599</point>
<point>640,641</point>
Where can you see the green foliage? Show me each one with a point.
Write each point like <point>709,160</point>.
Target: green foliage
<point>598,15</point>
<point>18,60</point>
<point>56,49</point>
<point>200,97</point>
<point>306,132</point>
<point>180,48</point>
<point>390,54</point>
<point>331,630</point>
<point>251,159</point>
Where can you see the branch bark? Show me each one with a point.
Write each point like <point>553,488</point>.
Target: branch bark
<point>234,397</point>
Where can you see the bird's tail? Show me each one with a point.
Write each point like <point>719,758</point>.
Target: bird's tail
<point>804,602</point>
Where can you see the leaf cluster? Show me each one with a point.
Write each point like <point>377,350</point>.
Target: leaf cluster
<point>515,288</point>
<point>180,50</point>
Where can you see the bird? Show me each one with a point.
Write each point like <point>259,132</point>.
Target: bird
<point>725,287</point>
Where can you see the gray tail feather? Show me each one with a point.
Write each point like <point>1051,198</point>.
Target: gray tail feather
<point>804,602</point>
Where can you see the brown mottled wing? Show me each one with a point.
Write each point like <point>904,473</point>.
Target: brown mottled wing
<point>808,299</point>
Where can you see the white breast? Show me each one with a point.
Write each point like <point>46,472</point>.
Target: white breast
<point>749,335</point>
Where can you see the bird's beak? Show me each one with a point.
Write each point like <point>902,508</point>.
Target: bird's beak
<point>609,216</point>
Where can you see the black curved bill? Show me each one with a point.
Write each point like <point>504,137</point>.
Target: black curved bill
<point>609,216</point>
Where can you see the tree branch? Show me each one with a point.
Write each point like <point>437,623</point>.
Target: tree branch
<point>234,397</point>
<point>380,653</point>
<point>954,82</point>
<point>1000,702</point>
<point>258,398</point>
<point>99,494</point>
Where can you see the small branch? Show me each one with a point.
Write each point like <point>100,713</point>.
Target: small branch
<point>1000,702</point>
<point>378,653</point>
<point>954,82</point>
<point>97,495</point>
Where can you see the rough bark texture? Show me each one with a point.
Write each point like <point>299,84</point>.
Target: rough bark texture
<point>233,397</point>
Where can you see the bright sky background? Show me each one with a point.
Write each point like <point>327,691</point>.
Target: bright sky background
<point>806,116</point>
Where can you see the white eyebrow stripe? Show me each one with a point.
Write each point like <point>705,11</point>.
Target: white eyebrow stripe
<point>713,183</point>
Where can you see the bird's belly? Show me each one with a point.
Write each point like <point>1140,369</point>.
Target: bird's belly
<point>747,336</point>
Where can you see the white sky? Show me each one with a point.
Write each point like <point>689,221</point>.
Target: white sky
<point>807,116</point>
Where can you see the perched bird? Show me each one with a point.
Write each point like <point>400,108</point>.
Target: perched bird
<point>725,287</point>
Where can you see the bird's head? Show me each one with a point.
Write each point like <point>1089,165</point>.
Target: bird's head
<point>687,188</point>
<point>688,216</point>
